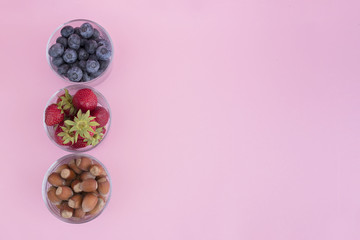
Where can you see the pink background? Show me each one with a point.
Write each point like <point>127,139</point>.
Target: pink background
<point>231,119</point>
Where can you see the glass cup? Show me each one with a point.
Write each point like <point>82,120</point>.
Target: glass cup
<point>103,72</point>
<point>54,209</point>
<point>50,130</point>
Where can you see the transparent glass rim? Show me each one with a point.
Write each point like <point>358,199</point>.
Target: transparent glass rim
<point>78,150</point>
<point>52,168</point>
<point>63,78</point>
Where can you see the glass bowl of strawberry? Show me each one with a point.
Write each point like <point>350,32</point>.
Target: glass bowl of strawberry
<point>77,118</point>
<point>80,51</point>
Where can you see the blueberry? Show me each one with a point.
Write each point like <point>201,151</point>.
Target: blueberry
<point>104,64</point>
<point>86,77</point>
<point>92,66</point>
<point>77,31</point>
<point>63,69</point>
<point>57,61</point>
<point>91,46</point>
<point>82,65</point>
<point>93,57</point>
<point>56,50</point>
<point>82,42</point>
<point>83,54</point>
<point>96,74</point>
<point>62,41</point>
<point>103,42</point>
<point>70,55</point>
<point>67,31</point>
<point>86,30</point>
<point>74,41</point>
<point>96,34</point>
<point>75,74</point>
<point>103,53</point>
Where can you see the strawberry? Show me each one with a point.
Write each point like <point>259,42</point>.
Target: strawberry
<point>65,103</point>
<point>85,99</point>
<point>97,137</point>
<point>80,143</point>
<point>59,98</point>
<point>66,111</point>
<point>83,125</point>
<point>62,136</point>
<point>53,115</point>
<point>101,114</point>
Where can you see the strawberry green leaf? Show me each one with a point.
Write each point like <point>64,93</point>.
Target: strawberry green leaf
<point>66,103</point>
<point>76,137</point>
<point>87,135</point>
<point>96,138</point>
<point>83,125</point>
<point>69,122</point>
<point>94,124</point>
<point>66,135</point>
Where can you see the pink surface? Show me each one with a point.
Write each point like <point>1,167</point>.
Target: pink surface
<point>231,119</point>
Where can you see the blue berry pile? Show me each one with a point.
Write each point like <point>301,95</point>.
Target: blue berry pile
<point>81,53</point>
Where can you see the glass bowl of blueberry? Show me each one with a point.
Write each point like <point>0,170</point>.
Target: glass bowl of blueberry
<point>77,118</point>
<point>80,51</point>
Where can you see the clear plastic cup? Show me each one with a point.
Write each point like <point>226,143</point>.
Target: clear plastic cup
<point>50,130</point>
<point>46,185</point>
<point>103,35</point>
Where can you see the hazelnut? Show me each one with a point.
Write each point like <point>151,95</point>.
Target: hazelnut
<point>61,167</point>
<point>79,213</point>
<point>77,188</point>
<point>97,170</point>
<point>73,183</point>
<point>89,185</point>
<point>99,206</point>
<point>89,202</point>
<point>66,211</point>
<point>84,163</point>
<point>103,186</point>
<point>55,179</point>
<point>86,175</point>
<point>52,196</point>
<point>75,201</point>
<point>64,192</point>
<point>73,166</point>
<point>67,174</point>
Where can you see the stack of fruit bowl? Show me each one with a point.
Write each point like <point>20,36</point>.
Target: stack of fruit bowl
<point>77,118</point>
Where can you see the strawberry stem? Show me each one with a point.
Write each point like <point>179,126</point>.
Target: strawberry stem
<point>66,103</point>
<point>82,126</point>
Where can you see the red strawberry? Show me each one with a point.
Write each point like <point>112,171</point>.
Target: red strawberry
<point>64,102</point>
<point>80,143</point>
<point>66,111</point>
<point>97,137</point>
<point>59,98</point>
<point>53,115</point>
<point>59,139</point>
<point>85,99</point>
<point>102,116</point>
<point>83,125</point>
